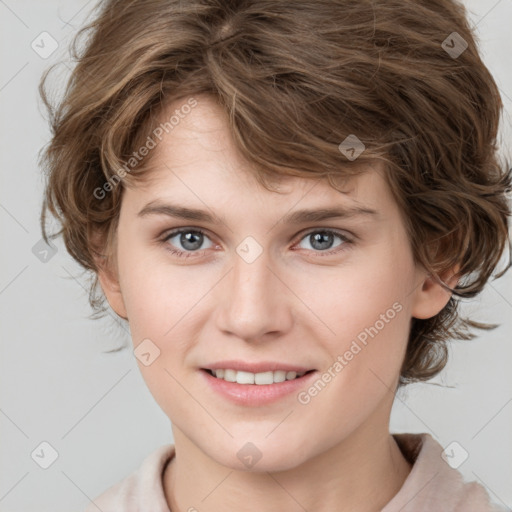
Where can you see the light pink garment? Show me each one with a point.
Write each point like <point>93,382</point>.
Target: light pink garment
<point>431,486</point>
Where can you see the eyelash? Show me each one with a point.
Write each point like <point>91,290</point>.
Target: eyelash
<point>189,254</point>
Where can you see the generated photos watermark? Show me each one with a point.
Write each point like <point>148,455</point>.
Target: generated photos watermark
<point>357,345</point>
<point>151,142</point>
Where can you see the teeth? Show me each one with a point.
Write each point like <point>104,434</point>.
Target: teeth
<point>263,378</point>
<point>245,378</point>
<point>229,375</point>
<point>279,376</point>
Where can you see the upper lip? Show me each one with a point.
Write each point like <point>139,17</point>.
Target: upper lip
<point>263,366</point>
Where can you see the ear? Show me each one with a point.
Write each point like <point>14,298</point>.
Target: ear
<point>430,296</point>
<point>109,282</point>
<point>108,275</point>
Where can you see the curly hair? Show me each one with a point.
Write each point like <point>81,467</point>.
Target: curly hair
<point>296,79</point>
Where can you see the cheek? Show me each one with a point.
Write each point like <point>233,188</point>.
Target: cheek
<point>158,296</point>
<point>349,300</point>
<point>365,318</point>
<point>370,321</point>
<point>159,305</point>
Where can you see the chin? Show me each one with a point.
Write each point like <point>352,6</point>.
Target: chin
<point>260,455</point>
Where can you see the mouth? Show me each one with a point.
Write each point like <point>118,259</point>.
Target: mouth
<point>256,379</point>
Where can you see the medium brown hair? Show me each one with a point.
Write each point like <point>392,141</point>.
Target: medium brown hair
<point>296,79</point>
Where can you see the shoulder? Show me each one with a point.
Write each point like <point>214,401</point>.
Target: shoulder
<point>433,484</point>
<point>141,490</point>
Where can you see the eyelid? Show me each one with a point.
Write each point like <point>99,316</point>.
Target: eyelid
<point>337,231</point>
<point>169,233</point>
<point>347,240</point>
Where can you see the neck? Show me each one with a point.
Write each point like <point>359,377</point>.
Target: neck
<point>361,474</point>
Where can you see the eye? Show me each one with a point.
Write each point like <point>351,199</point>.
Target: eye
<point>321,240</point>
<point>187,242</point>
<point>190,240</point>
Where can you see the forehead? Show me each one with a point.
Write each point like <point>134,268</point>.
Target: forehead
<point>197,161</point>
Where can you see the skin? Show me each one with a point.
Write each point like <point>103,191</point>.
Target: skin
<point>292,304</point>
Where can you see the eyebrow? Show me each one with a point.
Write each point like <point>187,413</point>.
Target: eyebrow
<point>296,217</point>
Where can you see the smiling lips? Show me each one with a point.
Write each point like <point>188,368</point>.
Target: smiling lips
<point>263,373</point>
<point>255,385</point>
<point>261,378</point>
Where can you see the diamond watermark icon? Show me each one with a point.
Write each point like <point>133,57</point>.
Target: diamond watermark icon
<point>249,249</point>
<point>352,147</point>
<point>146,352</point>
<point>43,251</point>
<point>44,455</point>
<point>454,455</point>
<point>249,454</point>
<point>44,45</point>
<point>454,45</point>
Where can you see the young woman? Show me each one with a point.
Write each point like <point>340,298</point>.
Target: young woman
<point>285,201</point>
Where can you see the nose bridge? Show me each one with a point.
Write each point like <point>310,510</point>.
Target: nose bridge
<point>253,303</point>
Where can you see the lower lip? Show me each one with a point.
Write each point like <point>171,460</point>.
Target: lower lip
<point>254,394</point>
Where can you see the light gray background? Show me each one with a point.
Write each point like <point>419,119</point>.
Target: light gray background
<point>58,385</point>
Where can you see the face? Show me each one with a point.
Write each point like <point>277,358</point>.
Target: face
<point>263,292</point>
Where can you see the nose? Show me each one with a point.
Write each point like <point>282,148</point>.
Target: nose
<point>254,301</point>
